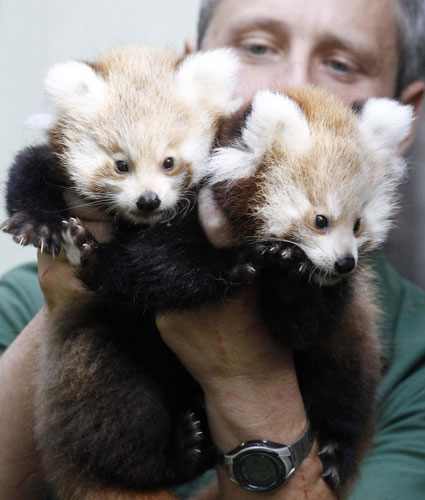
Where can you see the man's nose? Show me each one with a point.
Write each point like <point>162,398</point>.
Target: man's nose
<point>296,74</point>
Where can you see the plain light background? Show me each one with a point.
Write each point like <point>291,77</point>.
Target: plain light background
<point>35,34</point>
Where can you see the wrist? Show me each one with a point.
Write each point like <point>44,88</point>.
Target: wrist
<point>247,408</point>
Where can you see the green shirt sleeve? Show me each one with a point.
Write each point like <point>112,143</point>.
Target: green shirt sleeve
<point>395,467</point>
<point>20,300</point>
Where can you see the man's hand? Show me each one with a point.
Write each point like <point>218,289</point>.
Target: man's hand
<point>250,386</point>
<point>56,276</point>
<point>249,381</point>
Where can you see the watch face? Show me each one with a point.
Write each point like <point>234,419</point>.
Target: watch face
<point>262,471</point>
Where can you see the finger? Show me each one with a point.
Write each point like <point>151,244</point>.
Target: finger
<point>58,281</point>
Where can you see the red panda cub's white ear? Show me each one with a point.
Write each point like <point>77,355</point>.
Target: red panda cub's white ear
<point>73,87</point>
<point>209,78</point>
<point>385,124</point>
<point>274,122</point>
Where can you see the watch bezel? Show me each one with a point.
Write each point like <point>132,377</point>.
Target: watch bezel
<point>281,462</point>
<point>285,460</point>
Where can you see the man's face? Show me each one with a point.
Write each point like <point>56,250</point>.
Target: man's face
<point>346,46</point>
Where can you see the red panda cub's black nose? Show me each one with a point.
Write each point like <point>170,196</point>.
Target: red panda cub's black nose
<point>345,265</point>
<point>148,202</point>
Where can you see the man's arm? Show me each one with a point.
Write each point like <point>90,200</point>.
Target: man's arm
<point>20,476</point>
<point>20,468</point>
<point>250,385</point>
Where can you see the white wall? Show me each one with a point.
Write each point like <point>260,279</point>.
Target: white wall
<point>34,34</point>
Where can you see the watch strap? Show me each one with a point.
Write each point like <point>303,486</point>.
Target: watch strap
<point>301,448</point>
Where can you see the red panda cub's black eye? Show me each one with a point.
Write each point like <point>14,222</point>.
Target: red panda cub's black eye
<point>121,166</point>
<point>357,225</point>
<point>168,163</point>
<point>321,222</point>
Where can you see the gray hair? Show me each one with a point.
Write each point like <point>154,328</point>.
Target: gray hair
<point>410,18</point>
<point>206,11</point>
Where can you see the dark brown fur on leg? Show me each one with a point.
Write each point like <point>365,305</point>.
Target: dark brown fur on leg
<point>341,401</point>
<point>100,417</point>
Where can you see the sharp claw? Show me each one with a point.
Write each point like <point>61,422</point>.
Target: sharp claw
<point>303,268</point>
<point>286,254</point>
<point>260,249</point>
<point>251,269</point>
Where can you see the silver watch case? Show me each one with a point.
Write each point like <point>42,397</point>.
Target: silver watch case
<point>265,465</point>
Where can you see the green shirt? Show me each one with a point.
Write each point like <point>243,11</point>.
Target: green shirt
<point>395,467</point>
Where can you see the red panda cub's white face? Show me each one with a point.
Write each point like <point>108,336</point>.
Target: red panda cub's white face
<point>133,129</point>
<point>307,170</point>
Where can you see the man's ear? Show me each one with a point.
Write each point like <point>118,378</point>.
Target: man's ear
<point>190,45</point>
<point>413,94</point>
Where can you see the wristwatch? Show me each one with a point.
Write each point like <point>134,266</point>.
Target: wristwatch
<point>264,465</point>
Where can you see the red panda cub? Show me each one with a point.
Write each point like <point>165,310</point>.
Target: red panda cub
<point>310,187</point>
<point>127,134</point>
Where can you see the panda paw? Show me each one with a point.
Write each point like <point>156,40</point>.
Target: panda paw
<point>188,441</point>
<point>285,256</point>
<point>79,245</point>
<point>26,230</point>
<point>242,273</point>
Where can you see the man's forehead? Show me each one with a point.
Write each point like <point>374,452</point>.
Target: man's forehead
<point>334,16</point>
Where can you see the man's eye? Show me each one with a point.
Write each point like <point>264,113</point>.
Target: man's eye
<point>254,48</point>
<point>341,67</point>
<point>258,50</point>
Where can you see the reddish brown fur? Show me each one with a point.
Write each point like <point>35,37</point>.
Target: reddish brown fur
<point>324,109</point>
